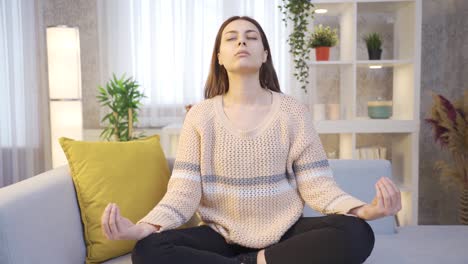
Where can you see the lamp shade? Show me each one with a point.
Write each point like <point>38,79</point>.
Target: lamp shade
<point>63,55</point>
<point>66,121</point>
<point>63,60</point>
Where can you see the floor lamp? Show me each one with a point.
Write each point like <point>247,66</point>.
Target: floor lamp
<point>64,67</point>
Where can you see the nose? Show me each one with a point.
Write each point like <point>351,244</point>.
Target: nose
<point>242,42</point>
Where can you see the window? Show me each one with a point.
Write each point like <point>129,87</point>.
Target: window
<point>166,46</point>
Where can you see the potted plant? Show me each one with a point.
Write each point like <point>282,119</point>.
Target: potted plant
<point>300,12</point>
<point>450,125</point>
<point>122,98</point>
<point>321,40</point>
<point>374,45</point>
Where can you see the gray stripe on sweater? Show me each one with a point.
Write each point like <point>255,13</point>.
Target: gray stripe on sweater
<point>311,165</point>
<point>245,181</point>
<point>177,212</point>
<point>182,165</point>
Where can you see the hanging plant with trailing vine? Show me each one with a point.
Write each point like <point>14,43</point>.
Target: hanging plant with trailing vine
<point>300,13</point>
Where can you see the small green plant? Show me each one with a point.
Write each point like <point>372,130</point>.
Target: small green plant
<point>373,41</point>
<point>300,12</point>
<point>122,98</point>
<point>323,37</point>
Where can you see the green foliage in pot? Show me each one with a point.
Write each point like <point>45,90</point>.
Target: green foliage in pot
<point>300,13</point>
<point>323,37</point>
<point>373,41</point>
<point>122,98</point>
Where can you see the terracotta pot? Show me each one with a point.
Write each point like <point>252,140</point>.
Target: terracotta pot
<point>322,53</point>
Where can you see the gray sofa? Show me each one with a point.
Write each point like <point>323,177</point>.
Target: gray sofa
<point>40,222</point>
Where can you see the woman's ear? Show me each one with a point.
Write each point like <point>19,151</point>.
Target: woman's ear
<point>265,56</point>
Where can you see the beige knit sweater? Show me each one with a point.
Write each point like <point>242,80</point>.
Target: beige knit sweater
<point>249,185</point>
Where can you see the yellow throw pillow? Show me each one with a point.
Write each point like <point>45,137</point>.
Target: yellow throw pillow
<point>133,174</point>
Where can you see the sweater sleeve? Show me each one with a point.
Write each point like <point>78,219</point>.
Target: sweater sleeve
<point>184,187</point>
<point>313,174</point>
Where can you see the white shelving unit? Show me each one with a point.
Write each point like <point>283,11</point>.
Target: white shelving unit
<point>348,81</point>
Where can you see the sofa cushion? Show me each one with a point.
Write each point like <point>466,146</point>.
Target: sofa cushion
<point>125,259</point>
<point>357,177</point>
<point>133,174</point>
<point>421,244</point>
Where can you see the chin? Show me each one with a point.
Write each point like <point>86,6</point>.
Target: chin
<point>245,69</point>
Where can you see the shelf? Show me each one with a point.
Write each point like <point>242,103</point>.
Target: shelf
<point>340,16</point>
<point>395,21</point>
<point>314,63</point>
<point>396,84</point>
<point>404,188</point>
<point>366,126</point>
<point>384,63</point>
<point>364,63</point>
<point>335,8</point>
<point>385,6</point>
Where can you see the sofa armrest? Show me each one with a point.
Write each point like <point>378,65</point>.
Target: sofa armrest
<point>40,220</point>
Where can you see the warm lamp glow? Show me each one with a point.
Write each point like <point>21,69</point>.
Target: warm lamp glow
<point>63,53</point>
<point>321,11</point>
<point>65,121</point>
<point>64,66</point>
<point>375,67</point>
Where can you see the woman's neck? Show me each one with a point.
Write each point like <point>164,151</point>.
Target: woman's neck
<point>246,90</point>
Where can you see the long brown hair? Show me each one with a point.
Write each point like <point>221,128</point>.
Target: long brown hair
<point>218,82</point>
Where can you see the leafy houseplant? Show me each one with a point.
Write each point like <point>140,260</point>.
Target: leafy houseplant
<point>300,12</point>
<point>450,124</point>
<point>374,45</point>
<point>122,97</point>
<point>321,40</point>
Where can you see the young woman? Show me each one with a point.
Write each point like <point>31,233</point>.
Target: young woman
<point>248,159</point>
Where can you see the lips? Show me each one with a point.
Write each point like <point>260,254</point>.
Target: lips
<point>242,52</point>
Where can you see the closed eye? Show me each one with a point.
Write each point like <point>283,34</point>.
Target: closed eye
<point>235,38</point>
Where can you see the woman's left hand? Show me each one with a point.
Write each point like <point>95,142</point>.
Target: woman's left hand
<point>386,202</point>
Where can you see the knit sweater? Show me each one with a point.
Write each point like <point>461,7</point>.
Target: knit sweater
<point>251,185</point>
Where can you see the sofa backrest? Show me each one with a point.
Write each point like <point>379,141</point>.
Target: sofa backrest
<point>358,177</point>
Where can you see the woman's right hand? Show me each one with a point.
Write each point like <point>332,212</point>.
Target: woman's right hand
<point>117,227</point>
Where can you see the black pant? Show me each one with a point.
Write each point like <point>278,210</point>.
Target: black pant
<point>326,239</point>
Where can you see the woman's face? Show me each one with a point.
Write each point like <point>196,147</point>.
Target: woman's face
<point>241,49</point>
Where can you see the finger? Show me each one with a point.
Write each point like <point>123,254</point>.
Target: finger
<point>112,226</point>
<point>105,221</point>
<point>397,193</point>
<point>391,184</point>
<point>397,190</point>
<point>391,193</point>
<point>111,233</point>
<point>118,218</point>
<point>386,196</point>
<point>380,201</point>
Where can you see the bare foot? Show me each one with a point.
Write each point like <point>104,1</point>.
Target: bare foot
<point>261,257</point>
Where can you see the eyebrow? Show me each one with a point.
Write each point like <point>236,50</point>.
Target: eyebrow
<point>235,31</point>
